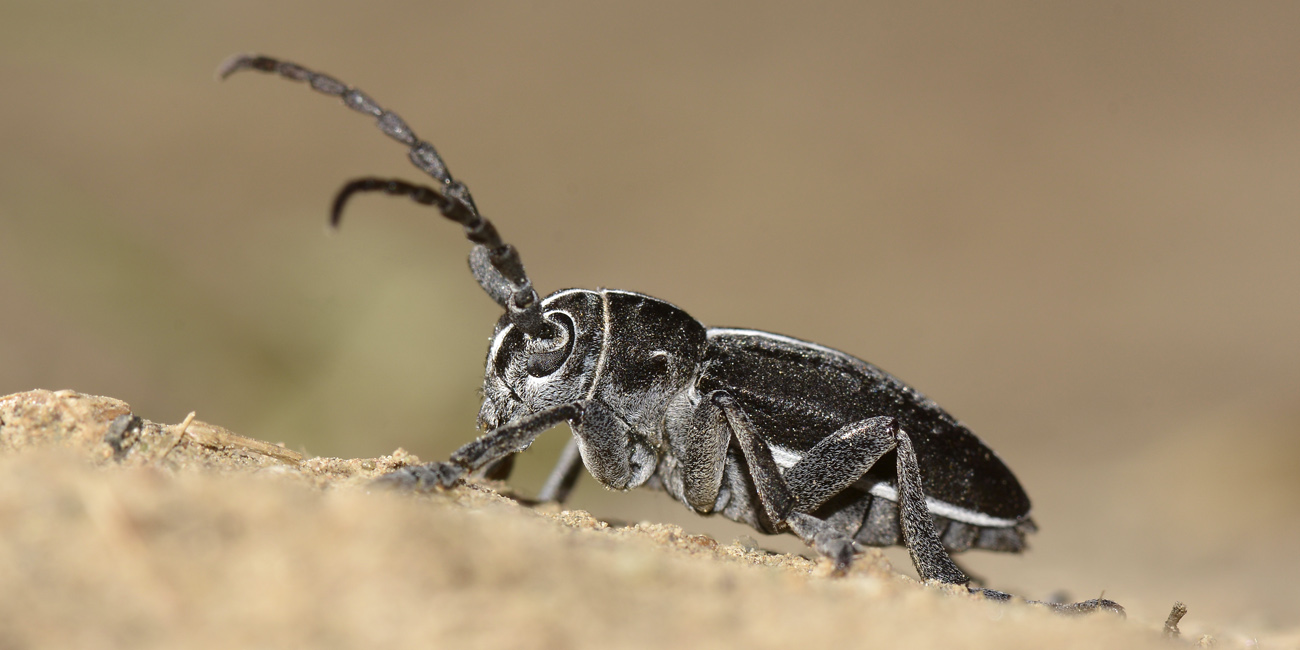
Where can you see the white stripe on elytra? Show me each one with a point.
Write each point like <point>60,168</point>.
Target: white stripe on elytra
<point>723,331</point>
<point>786,458</point>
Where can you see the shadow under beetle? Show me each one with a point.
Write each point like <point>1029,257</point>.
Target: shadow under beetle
<point>777,433</point>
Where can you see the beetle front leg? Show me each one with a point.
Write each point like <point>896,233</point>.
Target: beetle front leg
<point>499,443</point>
<point>611,450</point>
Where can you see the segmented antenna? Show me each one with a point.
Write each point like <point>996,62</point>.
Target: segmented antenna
<point>452,198</point>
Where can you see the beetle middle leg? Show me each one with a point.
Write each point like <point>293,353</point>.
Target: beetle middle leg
<point>786,501</point>
<point>559,483</point>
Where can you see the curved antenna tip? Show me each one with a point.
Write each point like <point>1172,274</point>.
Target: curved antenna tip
<point>336,215</point>
<point>234,64</point>
<point>341,199</point>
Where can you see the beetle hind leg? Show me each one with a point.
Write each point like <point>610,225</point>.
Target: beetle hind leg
<point>1082,607</point>
<point>843,457</point>
<point>786,501</point>
<point>827,469</point>
<point>929,557</point>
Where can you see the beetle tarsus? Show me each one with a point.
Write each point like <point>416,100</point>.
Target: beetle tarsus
<point>827,540</point>
<point>423,478</point>
<point>1088,607</point>
<point>1071,609</point>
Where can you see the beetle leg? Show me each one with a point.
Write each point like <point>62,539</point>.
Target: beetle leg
<point>826,538</point>
<point>563,476</point>
<point>499,470</point>
<point>1083,607</point>
<point>828,468</point>
<point>697,434</point>
<point>839,460</point>
<point>928,555</point>
<point>779,506</point>
<point>492,446</point>
<point>773,494</point>
<point>842,458</point>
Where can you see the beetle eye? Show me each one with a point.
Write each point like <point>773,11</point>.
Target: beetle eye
<point>545,356</point>
<point>659,360</point>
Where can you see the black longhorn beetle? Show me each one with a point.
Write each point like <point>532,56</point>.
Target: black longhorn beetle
<point>774,432</point>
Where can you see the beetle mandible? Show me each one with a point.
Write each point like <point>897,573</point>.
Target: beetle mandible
<point>774,432</point>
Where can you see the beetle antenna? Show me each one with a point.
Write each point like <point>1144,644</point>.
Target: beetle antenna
<point>495,264</point>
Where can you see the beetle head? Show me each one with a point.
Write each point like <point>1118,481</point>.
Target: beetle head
<point>527,373</point>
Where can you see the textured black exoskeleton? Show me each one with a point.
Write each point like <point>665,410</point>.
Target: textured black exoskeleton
<point>771,431</point>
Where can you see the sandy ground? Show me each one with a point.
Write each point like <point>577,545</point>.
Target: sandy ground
<point>188,535</point>
<point>1071,224</point>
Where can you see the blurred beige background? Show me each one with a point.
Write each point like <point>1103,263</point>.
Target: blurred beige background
<point>1073,225</point>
